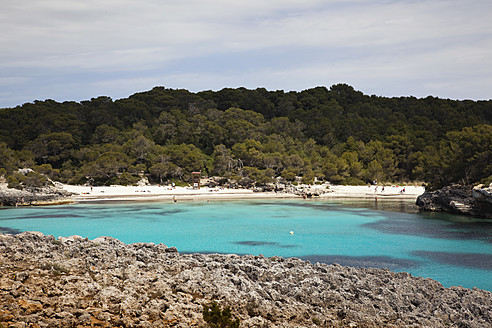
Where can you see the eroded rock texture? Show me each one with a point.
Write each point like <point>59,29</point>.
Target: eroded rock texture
<point>458,199</point>
<point>75,282</point>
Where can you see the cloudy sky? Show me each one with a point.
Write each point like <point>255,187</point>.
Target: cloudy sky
<point>76,50</point>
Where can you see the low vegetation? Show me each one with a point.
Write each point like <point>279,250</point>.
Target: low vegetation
<point>216,317</point>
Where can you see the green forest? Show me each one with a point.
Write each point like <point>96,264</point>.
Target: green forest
<point>334,134</point>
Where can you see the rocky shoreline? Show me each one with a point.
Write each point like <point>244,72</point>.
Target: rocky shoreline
<point>464,200</point>
<point>47,196</point>
<point>76,282</point>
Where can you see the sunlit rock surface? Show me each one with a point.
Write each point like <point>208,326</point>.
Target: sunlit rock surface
<point>76,282</point>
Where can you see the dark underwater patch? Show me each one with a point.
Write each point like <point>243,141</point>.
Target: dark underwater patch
<point>467,260</point>
<point>153,216</point>
<point>288,246</point>
<point>42,216</point>
<point>389,205</point>
<point>9,231</point>
<point>160,212</point>
<point>146,209</point>
<point>363,261</point>
<point>260,243</point>
<point>70,208</point>
<point>256,243</point>
<point>404,224</point>
<point>399,226</point>
<point>312,205</point>
<point>331,207</point>
<point>169,212</point>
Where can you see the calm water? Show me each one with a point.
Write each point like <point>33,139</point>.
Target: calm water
<point>454,250</point>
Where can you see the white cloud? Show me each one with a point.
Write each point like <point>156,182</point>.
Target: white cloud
<point>389,42</point>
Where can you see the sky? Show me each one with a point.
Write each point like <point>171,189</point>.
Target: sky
<point>77,50</point>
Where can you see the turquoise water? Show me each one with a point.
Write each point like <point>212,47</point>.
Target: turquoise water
<point>454,250</point>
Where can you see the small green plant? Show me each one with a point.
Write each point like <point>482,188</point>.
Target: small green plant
<point>217,318</point>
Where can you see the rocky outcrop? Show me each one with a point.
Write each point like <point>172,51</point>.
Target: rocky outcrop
<point>458,199</point>
<point>76,282</point>
<point>482,195</point>
<point>46,196</point>
<point>302,190</point>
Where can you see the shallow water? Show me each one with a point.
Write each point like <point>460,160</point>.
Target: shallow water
<point>454,250</point>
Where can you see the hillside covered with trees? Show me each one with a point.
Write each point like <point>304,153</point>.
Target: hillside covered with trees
<point>253,136</point>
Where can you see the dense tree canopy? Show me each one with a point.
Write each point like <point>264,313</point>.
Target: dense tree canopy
<point>337,134</point>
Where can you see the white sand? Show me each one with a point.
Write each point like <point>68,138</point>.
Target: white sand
<point>84,193</point>
<point>373,191</point>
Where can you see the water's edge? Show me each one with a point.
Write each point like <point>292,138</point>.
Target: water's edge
<point>79,282</point>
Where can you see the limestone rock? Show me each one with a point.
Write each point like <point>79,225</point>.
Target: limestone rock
<point>51,195</point>
<point>458,199</point>
<point>109,284</point>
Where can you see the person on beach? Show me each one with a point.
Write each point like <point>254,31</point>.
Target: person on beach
<point>174,199</point>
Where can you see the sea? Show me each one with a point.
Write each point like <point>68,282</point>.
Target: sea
<point>454,250</point>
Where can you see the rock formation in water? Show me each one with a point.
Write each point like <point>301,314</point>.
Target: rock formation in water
<point>458,199</point>
<point>76,282</point>
<point>44,196</point>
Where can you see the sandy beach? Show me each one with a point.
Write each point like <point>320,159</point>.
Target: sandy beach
<point>389,192</point>
<point>87,193</point>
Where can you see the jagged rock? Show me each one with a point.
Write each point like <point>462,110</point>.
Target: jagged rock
<point>482,194</point>
<point>458,199</point>
<point>103,283</point>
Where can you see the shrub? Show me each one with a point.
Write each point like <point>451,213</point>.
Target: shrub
<point>35,181</point>
<point>126,179</point>
<point>15,181</point>
<point>351,181</point>
<point>217,318</point>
